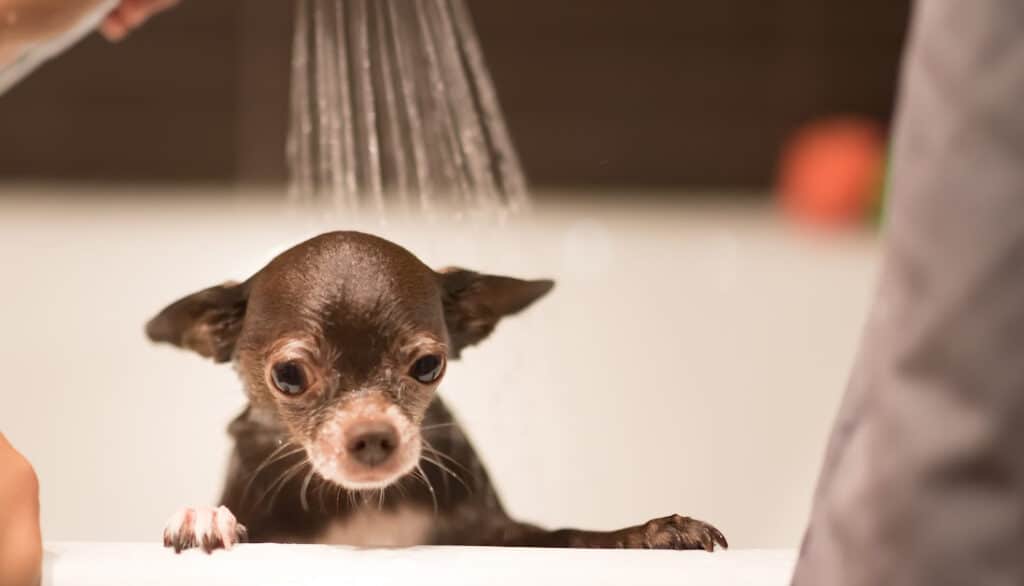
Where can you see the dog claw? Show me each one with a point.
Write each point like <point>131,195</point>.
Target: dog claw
<point>678,532</point>
<point>203,527</point>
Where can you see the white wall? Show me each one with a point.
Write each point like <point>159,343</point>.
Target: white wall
<point>689,361</point>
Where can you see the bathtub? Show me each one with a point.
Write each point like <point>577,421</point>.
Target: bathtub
<point>690,360</point>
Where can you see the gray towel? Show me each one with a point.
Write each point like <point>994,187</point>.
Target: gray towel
<point>923,481</point>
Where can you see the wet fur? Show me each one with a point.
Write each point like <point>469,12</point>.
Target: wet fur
<point>359,307</point>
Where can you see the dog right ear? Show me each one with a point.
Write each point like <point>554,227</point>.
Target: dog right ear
<point>207,322</point>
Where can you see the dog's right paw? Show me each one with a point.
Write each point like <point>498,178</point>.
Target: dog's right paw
<point>203,527</point>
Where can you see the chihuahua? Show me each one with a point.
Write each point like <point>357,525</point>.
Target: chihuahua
<point>341,343</point>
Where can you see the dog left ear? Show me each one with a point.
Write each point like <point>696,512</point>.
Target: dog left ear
<point>474,303</point>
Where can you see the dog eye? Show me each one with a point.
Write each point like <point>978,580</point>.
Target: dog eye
<point>428,369</point>
<point>289,378</point>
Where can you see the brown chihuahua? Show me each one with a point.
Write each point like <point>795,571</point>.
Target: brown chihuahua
<point>341,343</point>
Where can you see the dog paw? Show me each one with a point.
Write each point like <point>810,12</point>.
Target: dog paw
<point>203,527</point>
<point>678,532</point>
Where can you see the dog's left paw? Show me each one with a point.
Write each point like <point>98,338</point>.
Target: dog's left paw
<point>203,527</point>
<point>678,532</point>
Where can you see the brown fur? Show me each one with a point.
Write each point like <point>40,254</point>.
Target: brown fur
<point>357,312</point>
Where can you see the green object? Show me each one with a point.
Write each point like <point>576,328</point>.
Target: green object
<point>882,197</point>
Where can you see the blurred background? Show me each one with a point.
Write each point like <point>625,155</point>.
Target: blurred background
<point>708,178</point>
<point>598,95</point>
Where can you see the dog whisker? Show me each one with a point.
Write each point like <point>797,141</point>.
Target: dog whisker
<point>273,483</point>
<point>447,470</point>
<point>273,457</point>
<point>305,488</point>
<point>320,496</point>
<point>438,426</point>
<point>421,475</point>
<point>401,489</point>
<point>339,491</point>
<point>434,451</point>
<point>430,447</point>
<point>281,481</point>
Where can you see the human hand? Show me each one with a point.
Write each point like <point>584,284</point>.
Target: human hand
<point>24,23</point>
<point>21,547</point>
<point>130,15</point>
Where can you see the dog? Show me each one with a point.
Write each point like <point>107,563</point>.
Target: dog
<point>340,344</point>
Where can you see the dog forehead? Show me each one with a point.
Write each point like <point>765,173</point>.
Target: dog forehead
<point>347,273</point>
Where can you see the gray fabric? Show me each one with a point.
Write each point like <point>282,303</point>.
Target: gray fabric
<point>923,482</point>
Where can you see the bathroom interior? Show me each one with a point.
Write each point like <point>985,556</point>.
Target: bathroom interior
<point>707,306</point>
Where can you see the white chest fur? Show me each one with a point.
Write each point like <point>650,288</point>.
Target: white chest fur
<point>404,527</point>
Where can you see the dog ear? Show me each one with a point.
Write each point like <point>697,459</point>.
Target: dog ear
<point>207,322</point>
<point>474,303</point>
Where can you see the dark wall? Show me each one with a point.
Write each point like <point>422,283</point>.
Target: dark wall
<point>668,92</point>
<point>633,93</point>
<point>161,106</point>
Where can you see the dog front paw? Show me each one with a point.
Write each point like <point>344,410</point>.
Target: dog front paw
<point>678,532</point>
<point>203,527</point>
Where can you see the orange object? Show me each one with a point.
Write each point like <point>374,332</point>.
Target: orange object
<point>831,171</point>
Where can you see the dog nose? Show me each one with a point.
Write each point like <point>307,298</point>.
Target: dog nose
<point>372,443</point>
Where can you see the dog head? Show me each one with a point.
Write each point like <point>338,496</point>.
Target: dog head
<point>342,341</point>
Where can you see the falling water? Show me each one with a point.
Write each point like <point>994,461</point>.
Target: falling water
<point>392,105</point>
